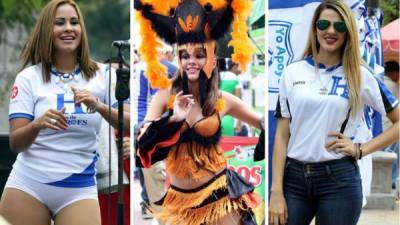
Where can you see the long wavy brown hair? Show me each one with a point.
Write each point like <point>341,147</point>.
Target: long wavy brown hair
<point>40,49</point>
<point>208,108</point>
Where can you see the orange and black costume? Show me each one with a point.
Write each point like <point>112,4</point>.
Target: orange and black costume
<point>193,152</point>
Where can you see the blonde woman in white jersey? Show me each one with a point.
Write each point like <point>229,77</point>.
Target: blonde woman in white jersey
<point>315,173</point>
<point>56,106</point>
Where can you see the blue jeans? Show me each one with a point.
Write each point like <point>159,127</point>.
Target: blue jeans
<point>330,191</point>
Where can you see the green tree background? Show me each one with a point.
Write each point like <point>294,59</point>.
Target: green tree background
<point>390,9</point>
<point>106,21</point>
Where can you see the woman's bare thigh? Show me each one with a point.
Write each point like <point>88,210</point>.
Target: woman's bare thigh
<point>20,208</point>
<point>82,212</point>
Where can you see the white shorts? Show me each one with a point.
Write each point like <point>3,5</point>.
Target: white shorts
<point>55,198</point>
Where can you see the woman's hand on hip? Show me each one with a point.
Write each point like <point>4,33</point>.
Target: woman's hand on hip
<point>278,213</point>
<point>52,119</point>
<point>342,144</point>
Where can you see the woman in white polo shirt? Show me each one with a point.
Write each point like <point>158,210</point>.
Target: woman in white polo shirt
<point>57,103</point>
<point>315,173</point>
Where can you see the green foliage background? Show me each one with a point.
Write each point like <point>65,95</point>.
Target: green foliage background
<point>106,21</point>
<point>390,9</point>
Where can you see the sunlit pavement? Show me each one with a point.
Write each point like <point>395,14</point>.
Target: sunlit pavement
<point>380,217</point>
<point>137,214</point>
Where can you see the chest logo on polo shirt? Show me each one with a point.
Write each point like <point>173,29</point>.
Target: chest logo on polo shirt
<point>339,88</point>
<point>72,110</point>
<point>67,102</point>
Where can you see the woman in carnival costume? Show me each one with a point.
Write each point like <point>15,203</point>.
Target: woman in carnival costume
<point>183,124</point>
<point>57,103</point>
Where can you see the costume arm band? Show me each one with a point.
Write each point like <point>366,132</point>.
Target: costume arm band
<point>159,135</point>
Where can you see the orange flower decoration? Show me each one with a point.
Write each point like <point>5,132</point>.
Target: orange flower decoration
<point>220,104</point>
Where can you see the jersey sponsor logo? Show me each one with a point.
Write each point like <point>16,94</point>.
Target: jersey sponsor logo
<point>299,82</point>
<point>14,92</point>
<point>74,121</point>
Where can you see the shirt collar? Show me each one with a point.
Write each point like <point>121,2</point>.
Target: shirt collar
<point>311,61</point>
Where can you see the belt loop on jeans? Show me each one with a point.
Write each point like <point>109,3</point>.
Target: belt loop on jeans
<point>328,170</point>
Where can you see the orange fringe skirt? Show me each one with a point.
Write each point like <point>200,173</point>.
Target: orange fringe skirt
<point>203,205</point>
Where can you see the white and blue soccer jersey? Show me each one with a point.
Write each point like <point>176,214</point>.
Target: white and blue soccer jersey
<point>288,26</point>
<point>313,114</point>
<point>289,23</point>
<point>61,158</point>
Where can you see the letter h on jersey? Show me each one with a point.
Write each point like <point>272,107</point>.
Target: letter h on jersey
<point>336,86</point>
<point>61,102</point>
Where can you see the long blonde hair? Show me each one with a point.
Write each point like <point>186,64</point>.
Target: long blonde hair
<point>351,58</point>
<point>39,47</point>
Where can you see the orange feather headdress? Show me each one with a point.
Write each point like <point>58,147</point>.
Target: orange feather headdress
<point>188,23</point>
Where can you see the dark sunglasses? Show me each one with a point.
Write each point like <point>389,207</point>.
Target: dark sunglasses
<point>339,26</point>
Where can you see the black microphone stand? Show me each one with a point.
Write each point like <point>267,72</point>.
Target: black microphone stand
<point>121,94</point>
